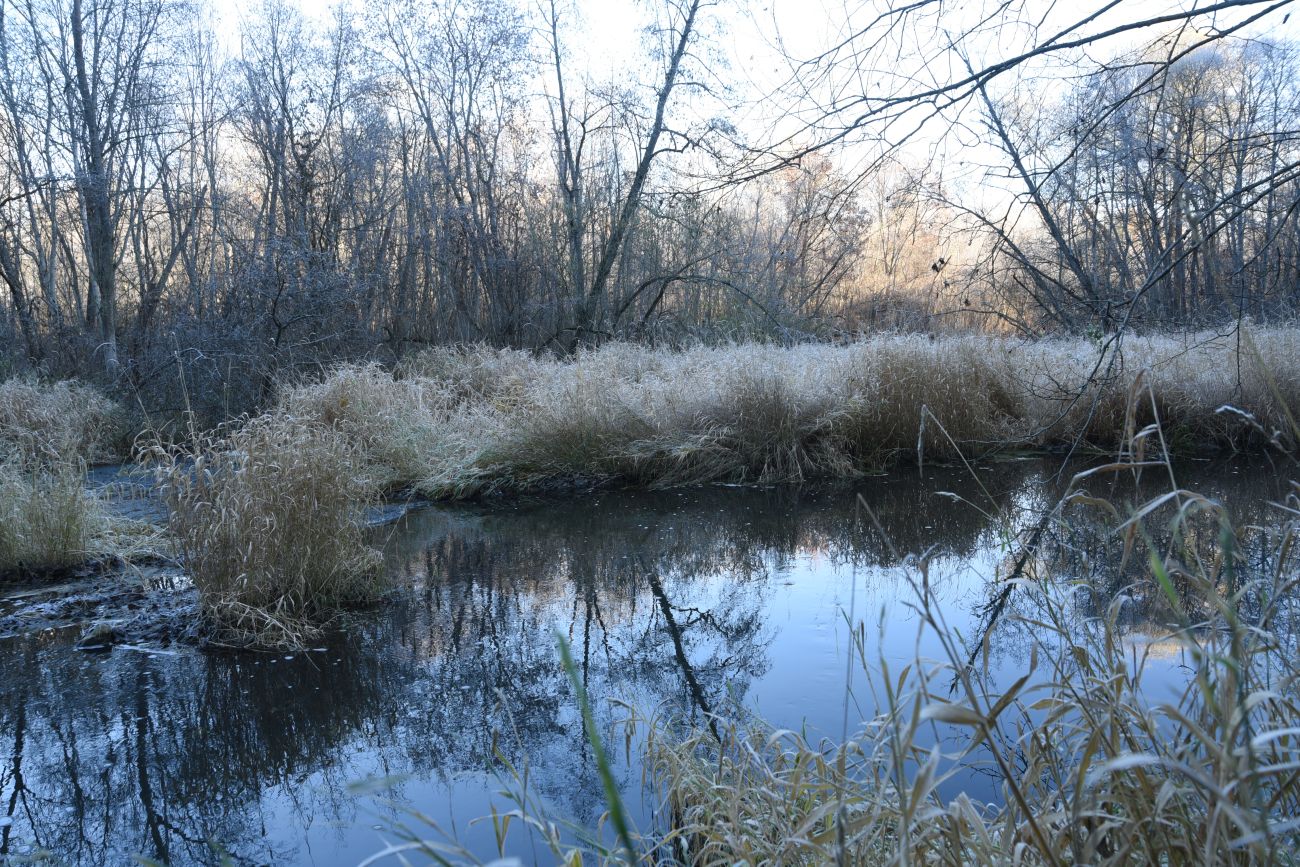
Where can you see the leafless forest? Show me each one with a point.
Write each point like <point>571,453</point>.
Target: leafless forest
<point>349,341</point>
<point>190,201</point>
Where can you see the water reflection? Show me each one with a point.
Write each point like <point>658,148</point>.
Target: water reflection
<point>687,599</point>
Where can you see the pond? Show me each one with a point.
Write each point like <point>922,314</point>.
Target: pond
<point>684,601</point>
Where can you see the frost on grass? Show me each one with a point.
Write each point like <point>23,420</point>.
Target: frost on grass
<point>62,421</point>
<point>48,433</point>
<point>456,422</point>
<point>268,517</point>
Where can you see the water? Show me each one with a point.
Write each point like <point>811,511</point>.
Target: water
<point>683,601</point>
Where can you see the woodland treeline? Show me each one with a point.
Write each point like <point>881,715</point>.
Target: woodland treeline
<point>184,205</point>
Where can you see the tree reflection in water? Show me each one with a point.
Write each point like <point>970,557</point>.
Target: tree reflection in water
<point>667,599</point>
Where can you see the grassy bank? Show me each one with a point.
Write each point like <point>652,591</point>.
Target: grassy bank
<point>267,510</point>
<point>459,422</point>
<point>58,422</point>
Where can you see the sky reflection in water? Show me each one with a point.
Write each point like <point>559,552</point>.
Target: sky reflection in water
<point>684,600</point>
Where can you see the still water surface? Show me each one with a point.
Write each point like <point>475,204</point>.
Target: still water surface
<point>688,601</point>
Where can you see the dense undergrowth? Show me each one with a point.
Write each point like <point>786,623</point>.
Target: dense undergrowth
<point>1095,759</point>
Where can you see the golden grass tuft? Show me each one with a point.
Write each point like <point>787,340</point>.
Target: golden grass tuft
<point>269,520</point>
<point>48,520</point>
<point>60,421</point>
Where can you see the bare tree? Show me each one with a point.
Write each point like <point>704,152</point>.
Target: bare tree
<point>678,28</point>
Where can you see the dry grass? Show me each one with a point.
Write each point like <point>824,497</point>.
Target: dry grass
<point>465,421</point>
<point>1093,768</point>
<point>64,421</point>
<point>268,517</point>
<point>396,423</point>
<point>48,521</point>
<point>474,372</point>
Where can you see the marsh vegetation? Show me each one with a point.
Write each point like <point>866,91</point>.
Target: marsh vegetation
<point>462,422</point>
<point>734,445</point>
<point>267,512</point>
<point>1096,583</point>
<point>48,436</point>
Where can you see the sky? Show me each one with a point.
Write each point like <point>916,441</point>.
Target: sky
<point>757,39</point>
<point>753,46</point>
